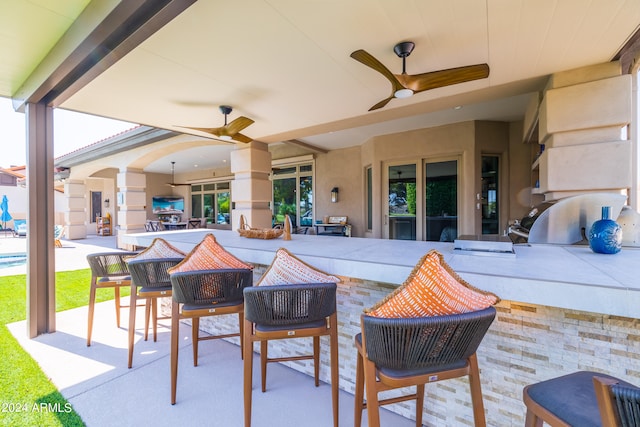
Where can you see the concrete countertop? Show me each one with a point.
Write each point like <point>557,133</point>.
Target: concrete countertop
<point>571,277</point>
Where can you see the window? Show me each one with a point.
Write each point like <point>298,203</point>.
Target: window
<point>213,202</point>
<point>293,194</point>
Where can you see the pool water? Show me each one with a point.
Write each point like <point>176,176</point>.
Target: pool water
<point>12,260</point>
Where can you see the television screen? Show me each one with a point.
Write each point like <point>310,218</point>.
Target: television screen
<point>168,205</point>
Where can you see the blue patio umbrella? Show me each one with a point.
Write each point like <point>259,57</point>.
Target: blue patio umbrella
<point>6,216</point>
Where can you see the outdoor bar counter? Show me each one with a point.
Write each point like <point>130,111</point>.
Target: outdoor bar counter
<point>563,308</point>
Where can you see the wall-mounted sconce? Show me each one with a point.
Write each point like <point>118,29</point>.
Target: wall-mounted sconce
<point>106,203</point>
<point>334,195</point>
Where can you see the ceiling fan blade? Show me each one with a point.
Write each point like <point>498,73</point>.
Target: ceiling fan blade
<point>367,59</point>
<point>241,138</point>
<point>381,103</point>
<point>212,131</point>
<point>238,124</point>
<point>435,79</point>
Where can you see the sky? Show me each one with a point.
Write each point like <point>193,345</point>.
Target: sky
<point>71,131</point>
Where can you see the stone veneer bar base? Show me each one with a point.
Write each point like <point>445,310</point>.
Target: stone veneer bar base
<point>526,343</point>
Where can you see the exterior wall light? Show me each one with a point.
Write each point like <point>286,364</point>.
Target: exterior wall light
<point>334,195</point>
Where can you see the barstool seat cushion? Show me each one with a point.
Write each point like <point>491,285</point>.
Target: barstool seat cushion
<point>571,398</point>
<point>209,255</point>
<point>432,289</point>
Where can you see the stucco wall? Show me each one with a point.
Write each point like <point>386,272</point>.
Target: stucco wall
<point>345,169</point>
<point>342,169</point>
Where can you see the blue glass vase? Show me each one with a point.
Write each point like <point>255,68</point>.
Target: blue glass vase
<point>605,236</point>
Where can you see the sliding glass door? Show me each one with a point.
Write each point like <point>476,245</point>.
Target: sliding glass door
<point>441,200</point>
<point>422,200</point>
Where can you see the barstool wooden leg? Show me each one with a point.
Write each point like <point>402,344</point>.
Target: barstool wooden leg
<point>264,346</point>
<point>335,374</point>
<point>175,333</point>
<point>147,311</point>
<point>92,302</point>
<point>248,371</point>
<point>132,320</point>
<point>419,404</point>
<point>532,420</point>
<point>359,392</point>
<point>195,331</point>
<point>316,360</point>
<point>476,392</point>
<point>373,404</point>
<point>116,292</point>
<point>154,313</point>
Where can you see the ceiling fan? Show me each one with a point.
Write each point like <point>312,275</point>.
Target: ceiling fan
<point>231,131</point>
<point>173,182</point>
<point>405,85</point>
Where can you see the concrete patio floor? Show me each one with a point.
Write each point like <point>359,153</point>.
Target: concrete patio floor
<point>104,392</point>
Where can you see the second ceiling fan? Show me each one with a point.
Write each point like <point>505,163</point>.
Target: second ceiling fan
<point>405,85</point>
<point>230,131</point>
<point>173,182</point>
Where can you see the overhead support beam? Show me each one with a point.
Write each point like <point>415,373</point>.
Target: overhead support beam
<point>103,34</point>
<point>301,144</point>
<point>628,52</point>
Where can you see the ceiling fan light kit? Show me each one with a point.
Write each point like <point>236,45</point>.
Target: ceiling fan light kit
<point>403,93</point>
<point>406,85</point>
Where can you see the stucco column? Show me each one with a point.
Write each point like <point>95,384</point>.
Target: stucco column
<point>131,202</point>
<point>74,209</point>
<point>251,187</point>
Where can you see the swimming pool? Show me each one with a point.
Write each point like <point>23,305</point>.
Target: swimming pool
<point>12,260</point>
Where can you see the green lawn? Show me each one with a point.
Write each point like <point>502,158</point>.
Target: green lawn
<point>27,397</point>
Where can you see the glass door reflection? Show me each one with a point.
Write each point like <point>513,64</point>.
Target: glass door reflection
<point>441,200</point>
<point>402,202</point>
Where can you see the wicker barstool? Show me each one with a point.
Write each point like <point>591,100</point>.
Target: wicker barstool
<point>149,280</point>
<point>583,398</point>
<point>108,270</point>
<point>204,293</point>
<point>289,311</point>
<point>402,352</point>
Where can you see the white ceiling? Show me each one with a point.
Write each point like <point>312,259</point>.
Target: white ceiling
<point>286,64</point>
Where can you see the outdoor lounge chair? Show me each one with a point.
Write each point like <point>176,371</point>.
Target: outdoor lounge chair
<point>19,227</point>
<point>58,233</point>
<point>402,352</point>
<point>204,293</point>
<point>582,399</point>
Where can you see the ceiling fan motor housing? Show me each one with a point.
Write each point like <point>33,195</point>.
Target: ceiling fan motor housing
<point>404,49</point>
